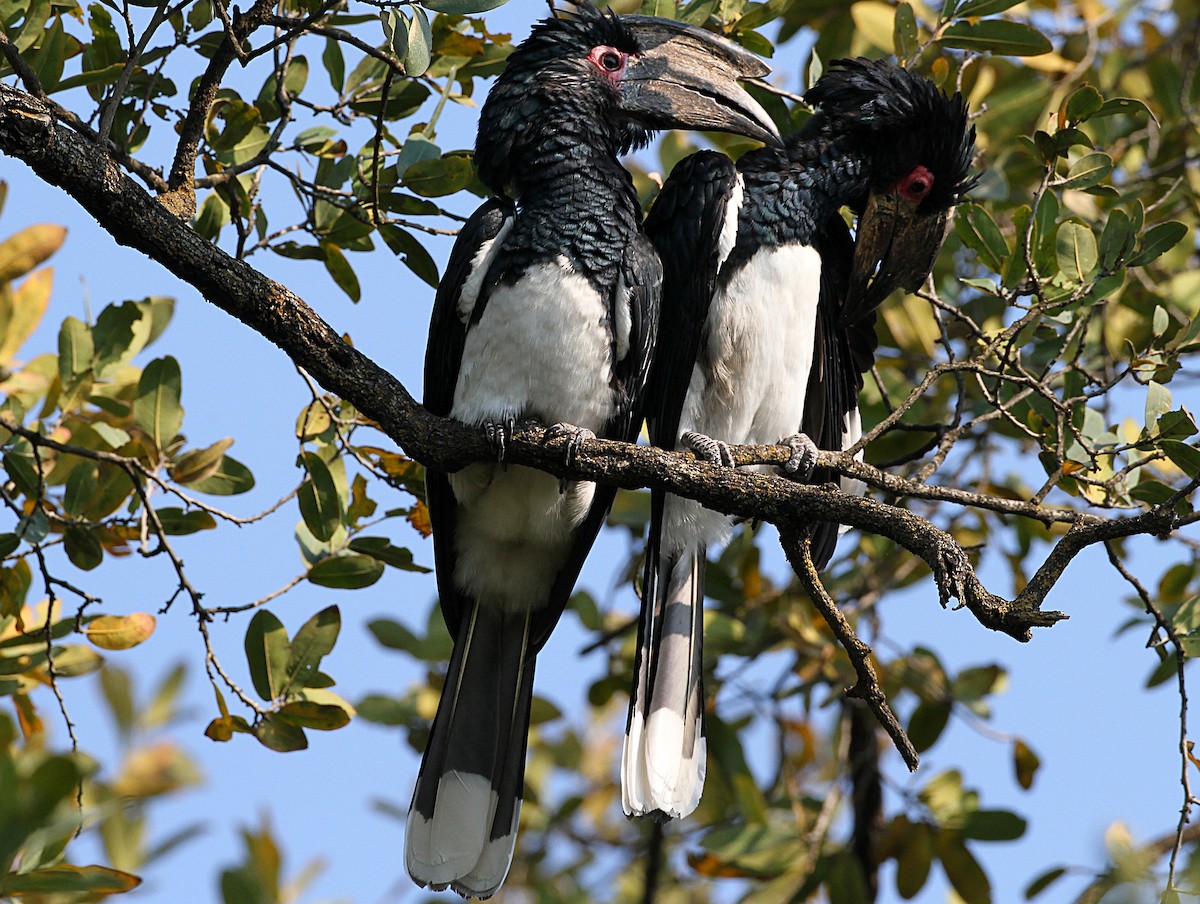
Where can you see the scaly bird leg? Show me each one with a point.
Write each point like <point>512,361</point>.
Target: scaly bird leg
<point>498,433</point>
<point>708,449</point>
<point>577,436</point>
<point>804,456</point>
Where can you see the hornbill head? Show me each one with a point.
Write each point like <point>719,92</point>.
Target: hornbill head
<point>919,145</point>
<point>620,77</point>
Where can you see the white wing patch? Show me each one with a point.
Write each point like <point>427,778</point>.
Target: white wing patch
<point>624,319</point>
<point>729,229</point>
<point>480,265</point>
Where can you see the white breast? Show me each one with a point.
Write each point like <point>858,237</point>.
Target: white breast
<point>751,383</point>
<point>761,328</point>
<point>542,348</point>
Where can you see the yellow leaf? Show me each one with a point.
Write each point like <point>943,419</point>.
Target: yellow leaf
<point>22,252</point>
<point>875,21</point>
<point>120,632</point>
<point>419,519</point>
<point>29,304</point>
<point>1048,62</point>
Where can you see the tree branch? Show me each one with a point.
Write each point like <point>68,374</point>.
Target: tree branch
<point>798,549</point>
<point>62,157</point>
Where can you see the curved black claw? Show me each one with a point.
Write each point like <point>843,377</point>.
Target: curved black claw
<point>804,456</point>
<point>497,433</point>
<point>708,449</point>
<point>577,436</point>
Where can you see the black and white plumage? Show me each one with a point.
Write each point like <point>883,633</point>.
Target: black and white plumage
<point>768,326</point>
<point>548,310</point>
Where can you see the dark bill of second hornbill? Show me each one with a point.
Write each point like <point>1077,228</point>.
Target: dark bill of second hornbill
<point>548,310</point>
<point>768,326</point>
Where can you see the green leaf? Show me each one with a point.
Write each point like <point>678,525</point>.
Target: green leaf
<point>470,7</point>
<point>382,549</point>
<point>229,479</point>
<point>74,660</point>
<point>1158,403</point>
<point>979,232</point>
<point>411,252</point>
<point>1083,103</point>
<point>384,710</point>
<point>313,642</point>
<point>1088,170</point>
<point>1117,239</point>
<point>904,35</point>
<point>320,716</point>
<point>335,64</point>
<point>349,572</point>
<point>1158,241</point>
<point>199,464</point>
<point>1044,881</point>
<point>996,36</point>
<point>435,178</point>
<point>963,870</point>
<point>82,547</point>
<point>1126,106</point>
<point>1176,425</point>
<point>320,503</point>
<point>434,647</point>
<point>156,409</point>
<point>914,859</point>
<point>927,723</point>
<point>120,332</point>
<point>1025,764</point>
<point>993,825</point>
<point>983,7</point>
<point>278,735</point>
<point>1076,250</point>
<point>1185,457</point>
<point>69,879</point>
<point>728,761</point>
<point>1161,321</point>
<point>267,654</point>
<point>178,522</point>
<point>75,350</point>
<point>341,271</point>
<point>420,44</point>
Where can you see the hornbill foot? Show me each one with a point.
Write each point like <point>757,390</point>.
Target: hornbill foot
<point>576,437</point>
<point>498,433</point>
<point>708,449</point>
<point>804,456</point>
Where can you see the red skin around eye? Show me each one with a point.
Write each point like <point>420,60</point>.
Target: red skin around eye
<point>604,57</point>
<point>916,185</point>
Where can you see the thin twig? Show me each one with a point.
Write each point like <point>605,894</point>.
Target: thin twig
<point>798,549</point>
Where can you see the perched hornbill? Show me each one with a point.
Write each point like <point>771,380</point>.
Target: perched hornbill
<point>768,326</point>
<point>548,310</point>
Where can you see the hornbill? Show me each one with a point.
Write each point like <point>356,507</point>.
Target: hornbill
<point>548,311</point>
<point>768,326</point>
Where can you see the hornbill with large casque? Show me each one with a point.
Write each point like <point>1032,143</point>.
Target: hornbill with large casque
<point>548,310</point>
<point>768,327</point>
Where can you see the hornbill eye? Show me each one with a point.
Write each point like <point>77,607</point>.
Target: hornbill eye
<point>916,185</point>
<point>608,60</point>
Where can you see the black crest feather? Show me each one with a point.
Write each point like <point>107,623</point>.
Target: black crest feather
<point>900,111</point>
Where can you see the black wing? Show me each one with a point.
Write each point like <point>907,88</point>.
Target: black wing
<point>843,352</point>
<point>685,225</point>
<point>443,356</point>
<point>642,277</point>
